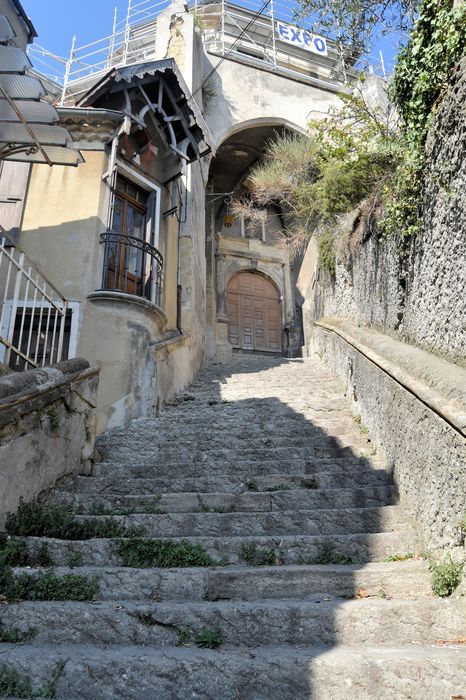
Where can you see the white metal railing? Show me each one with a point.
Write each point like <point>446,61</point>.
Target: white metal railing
<point>33,312</point>
<point>132,40</point>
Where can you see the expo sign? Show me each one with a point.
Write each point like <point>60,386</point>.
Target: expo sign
<point>302,38</point>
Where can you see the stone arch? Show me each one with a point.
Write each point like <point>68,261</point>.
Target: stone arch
<point>259,121</point>
<point>235,266</point>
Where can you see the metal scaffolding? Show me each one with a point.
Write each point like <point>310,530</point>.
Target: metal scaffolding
<point>225,31</point>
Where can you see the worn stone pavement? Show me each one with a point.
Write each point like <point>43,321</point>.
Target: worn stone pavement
<point>265,451</point>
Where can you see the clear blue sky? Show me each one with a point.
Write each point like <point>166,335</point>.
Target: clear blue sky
<point>56,21</point>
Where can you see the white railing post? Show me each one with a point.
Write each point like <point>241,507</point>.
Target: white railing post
<point>14,306</point>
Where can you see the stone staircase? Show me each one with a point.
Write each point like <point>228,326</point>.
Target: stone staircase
<point>262,465</point>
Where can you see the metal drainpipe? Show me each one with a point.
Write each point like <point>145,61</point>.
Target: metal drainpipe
<point>179,288</point>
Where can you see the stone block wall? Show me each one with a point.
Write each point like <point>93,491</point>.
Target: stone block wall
<point>47,429</point>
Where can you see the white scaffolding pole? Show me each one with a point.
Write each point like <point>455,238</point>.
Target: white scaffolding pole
<point>66,77</point>
<point>111,48</point>
<point>127,33</point>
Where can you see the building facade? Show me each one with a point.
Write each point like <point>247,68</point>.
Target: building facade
<point>142,238</point>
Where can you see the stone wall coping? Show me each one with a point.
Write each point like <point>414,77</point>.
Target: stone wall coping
<point>22,387</point>
<point>122,297</point>
<point>173,340</point>
<point>438,383</point>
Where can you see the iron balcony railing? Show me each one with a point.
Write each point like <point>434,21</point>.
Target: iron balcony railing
<point>35,316</point>
<point>132,265</point>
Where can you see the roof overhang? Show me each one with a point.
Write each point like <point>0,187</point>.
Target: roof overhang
<point>29,130</point>
<point>160,88</point>
<point>21,13</point>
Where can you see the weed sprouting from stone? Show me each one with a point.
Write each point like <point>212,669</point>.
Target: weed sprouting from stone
<point>49,690</point>
<point>362,428</point>
<point>15,635</point>
<point>54,420</point>
<point>401,557</point>
<point>328,554</point>
<point>37,520</point>
<point>253,554</point>
<point>47,586</point>
<point>446,576</point>
<point>43,556</point>
<point>251,485</point>
<point>15,553</point>
<point>278,487</point>
<point>310,483</point>
<point>13,684</point>
<point>204,508</point>
<point>75,559</point>
<point>142,553</point>
<point>209,639</point>
<point>185,634</point>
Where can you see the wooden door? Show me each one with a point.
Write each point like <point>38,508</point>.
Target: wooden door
<point>253,309</point>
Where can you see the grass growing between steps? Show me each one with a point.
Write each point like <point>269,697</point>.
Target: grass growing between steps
<point>17,685</point>
<point>46,586</point>
<point>253,554</point>
<point>42,586</point>
<point>328,554</point>
<point>144,553</point>
<point>15,553</point>
<point>13,684</point>
<point>14,635</point>
<point>209,639</point>
<point>37,520</point>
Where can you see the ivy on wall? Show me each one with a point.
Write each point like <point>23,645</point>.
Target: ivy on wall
<point>425,65</point>
<point>422,74</point>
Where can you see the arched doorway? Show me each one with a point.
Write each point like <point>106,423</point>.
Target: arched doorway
<point>253,309</point>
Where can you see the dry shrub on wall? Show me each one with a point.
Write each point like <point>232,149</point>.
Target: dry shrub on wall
<point>254,216</point>
<point>316,179</point>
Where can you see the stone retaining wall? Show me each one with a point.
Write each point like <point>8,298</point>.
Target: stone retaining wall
<point>416,419</point>
<point>411,288</point>
<point>47,428</point>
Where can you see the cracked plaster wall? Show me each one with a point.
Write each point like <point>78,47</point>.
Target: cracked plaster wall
<point>47,429</point>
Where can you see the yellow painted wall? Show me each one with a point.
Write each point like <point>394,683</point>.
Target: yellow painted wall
<point>64,214</point>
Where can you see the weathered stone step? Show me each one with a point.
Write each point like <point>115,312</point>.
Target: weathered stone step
<point>302,499</point>
<point>289,549</point>
<point>141,454</point>
<point>216,438</point>
<point>327,521</point>
<point>222,483</point>
<point>274,673</point>
<point>409,578</point>
<point>206,466</point>
<point>256,623</point>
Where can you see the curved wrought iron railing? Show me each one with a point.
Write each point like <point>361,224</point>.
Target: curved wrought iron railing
<point>132,265</point>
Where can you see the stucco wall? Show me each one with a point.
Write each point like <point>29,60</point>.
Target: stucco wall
<point>47,429</point>
<point>241,94</point>
<point>62,221</point>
